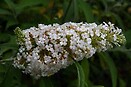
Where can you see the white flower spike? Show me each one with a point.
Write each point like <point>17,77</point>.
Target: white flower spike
<point>47,49</point>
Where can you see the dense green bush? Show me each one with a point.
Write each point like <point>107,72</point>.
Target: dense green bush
<point>107,69</point>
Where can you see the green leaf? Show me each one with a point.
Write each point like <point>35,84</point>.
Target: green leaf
<point>127,35</point>
<point>2,68</point>
<point>45,82</point>
<point>11,23</point>
<point>111,66</point>
<point>128,54</point>
<point>4,12</point>
<point>86,69</point>
<point>97,86</point>
<point>76,10</point>
<point>86,8</point>
<point>6,47</point>
<point>4,37</point>
<point>85,66</point>
<point>104,2</point>
<point>10,45</point>
<point>68,11</point>
<point>10,4</point>
<point>12,77</point>
<point>127,15</point>
<point>28,3</point>
<point>119,20</point>
<point>42,83</point>
<point>122,83</point>
<point>115,17</point>
<point>81,76</point>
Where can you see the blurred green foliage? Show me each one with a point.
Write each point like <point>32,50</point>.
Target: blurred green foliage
<point>108,69</point>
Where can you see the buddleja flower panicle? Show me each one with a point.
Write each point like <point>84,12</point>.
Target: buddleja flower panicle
<point>47,49</point>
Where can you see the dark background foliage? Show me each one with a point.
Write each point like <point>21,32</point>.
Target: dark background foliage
<point>107,69</point>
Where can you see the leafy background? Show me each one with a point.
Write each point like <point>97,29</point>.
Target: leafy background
<point>107,69</point>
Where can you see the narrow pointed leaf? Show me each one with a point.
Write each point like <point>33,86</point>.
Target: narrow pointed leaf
<point>111,66</point>
<point>81,76</point>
